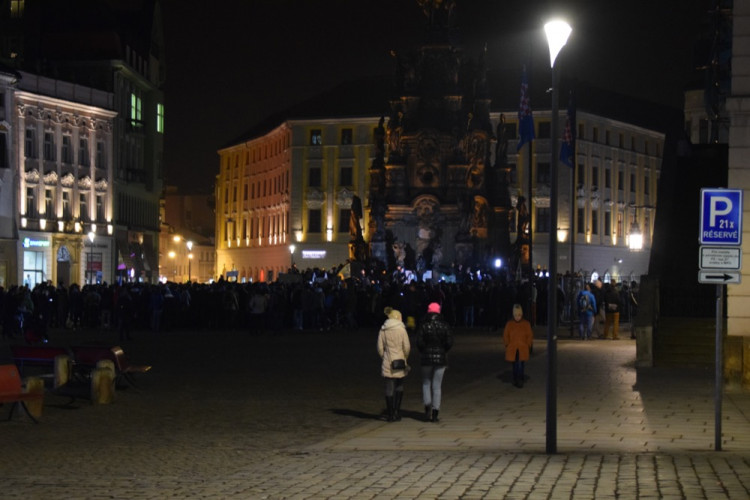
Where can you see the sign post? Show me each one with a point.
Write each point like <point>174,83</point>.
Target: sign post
<point>720,262</point>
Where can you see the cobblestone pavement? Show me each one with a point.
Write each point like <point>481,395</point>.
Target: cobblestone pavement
<point>297,415</point>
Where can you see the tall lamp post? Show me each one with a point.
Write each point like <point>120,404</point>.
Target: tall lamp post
<point>189,244</point>
<point>557,36</point>
<point>291,252</point>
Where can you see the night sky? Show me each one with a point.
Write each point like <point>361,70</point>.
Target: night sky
<point>232,63</point>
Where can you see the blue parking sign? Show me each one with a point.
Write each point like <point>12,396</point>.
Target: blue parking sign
<point>721,216</point>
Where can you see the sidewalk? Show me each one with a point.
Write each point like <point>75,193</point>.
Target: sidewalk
<point>631,434</point>
<point>621,433</point>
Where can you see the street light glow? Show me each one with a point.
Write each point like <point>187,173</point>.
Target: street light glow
<point>557,32</point>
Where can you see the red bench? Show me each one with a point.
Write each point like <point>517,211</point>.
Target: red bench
<point>29,355</point>
<point>11,391</point>
<point>88,356</point>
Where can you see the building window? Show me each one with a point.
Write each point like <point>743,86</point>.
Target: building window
<point>100,163</point>
<point>620,181</point>
<point>48,201</point>
<point>314,180</point>
<point>99,207</point>
<point>581,174</point>
<point>542,220</point>
<point>313,221</point>
<point>619,224</point>
<point>646,186</point>
<point>29,149</point>
<point>234,194</point>
<point>581,221</point>
<point>316,137</point>
<point>244,192</point>
<point>67,150</point>
<point>160,118</point>
<point>4,162</point>
<point>83,152</point>
<point>347,177</point>
<point>66,204</point>
<point>30,207</point>
<point>632,143</point>
<point>83,207</point>
<point>607,178</point>
<point>136,111</point>
<point>621,141</point>
<point>542,173</point>
<point>607,223</point>
<point>595,136</point>
<point>344,215</point>
<point>703,131</point>
<point>49,146</point>
<point>595,178</point>
<point>595,222</point>
<point>632,183</point>
<point>16,8</point>
<point>544,130</point>
<point>581,131</point>
<point>346,136</point>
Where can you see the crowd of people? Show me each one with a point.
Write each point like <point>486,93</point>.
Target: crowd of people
<point>308,303</point>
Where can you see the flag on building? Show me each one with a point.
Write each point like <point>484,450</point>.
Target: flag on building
<point>525,120</point>
<point>568,146</point>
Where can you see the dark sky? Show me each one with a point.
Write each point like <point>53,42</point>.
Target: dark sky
<point>232,63</point>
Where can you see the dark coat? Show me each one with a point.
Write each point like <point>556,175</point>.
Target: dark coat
<point>434,340</point>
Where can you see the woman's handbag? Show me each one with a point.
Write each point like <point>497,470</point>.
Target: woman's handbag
<point>398,364</point>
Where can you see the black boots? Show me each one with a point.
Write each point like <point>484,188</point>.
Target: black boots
<point>393,406</point>
<point>435,415</point>
<point>390,408</point>
<point>398,396</point>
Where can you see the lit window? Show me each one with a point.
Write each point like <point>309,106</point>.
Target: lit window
<point>135,111</point>
<point>160,118</point>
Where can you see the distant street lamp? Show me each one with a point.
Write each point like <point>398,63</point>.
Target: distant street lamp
<point>635,239</point>
<point>557,36</point>
<point>291,252</point>
<point>189,244</point>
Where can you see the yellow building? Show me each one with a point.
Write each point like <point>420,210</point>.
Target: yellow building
<point>284,197</point>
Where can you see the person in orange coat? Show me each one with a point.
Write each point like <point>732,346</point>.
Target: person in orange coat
<point>518,339</point>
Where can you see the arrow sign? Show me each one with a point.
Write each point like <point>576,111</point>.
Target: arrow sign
<point>718,277</point>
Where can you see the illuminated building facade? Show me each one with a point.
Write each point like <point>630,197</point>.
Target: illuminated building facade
<point>56,144</point>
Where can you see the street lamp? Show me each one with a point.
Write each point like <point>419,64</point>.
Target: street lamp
<point>291,252</point>
<point>557,32</point>
<point>189,244</point>
<point>635,239</point>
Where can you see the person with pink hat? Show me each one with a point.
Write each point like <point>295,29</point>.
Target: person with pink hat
<point>434,340</point>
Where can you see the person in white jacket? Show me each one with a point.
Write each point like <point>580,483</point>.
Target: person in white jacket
<point>393,346</point>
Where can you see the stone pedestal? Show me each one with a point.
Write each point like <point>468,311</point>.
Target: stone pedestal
<point>644,342</point>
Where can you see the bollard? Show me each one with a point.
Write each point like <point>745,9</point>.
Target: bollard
<point>103,382</point>
<point>35,385</point>
<point>62,370</point>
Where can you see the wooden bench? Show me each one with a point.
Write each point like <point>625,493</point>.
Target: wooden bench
<point>11,391</point>
<point>87,357</point>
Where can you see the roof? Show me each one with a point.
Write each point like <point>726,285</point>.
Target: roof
<point>370,97</point>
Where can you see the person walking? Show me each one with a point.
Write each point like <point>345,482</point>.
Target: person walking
<point>393,348</point>
<point>612,307</point>
<point>434,340</point>
<point>519,340</point>
<point>586,304</point>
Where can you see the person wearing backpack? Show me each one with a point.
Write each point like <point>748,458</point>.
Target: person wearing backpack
<point>586,304</point>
